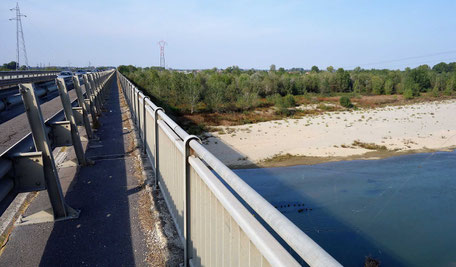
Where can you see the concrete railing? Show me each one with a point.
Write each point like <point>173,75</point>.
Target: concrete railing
<point>215,227</point>
<point>29,165</point>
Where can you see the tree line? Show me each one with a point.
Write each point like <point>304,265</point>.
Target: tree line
<point>234,89</point>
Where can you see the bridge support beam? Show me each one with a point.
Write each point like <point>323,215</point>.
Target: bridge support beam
<point>60,210</point>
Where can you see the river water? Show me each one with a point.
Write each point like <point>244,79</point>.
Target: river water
<point>400,210</point>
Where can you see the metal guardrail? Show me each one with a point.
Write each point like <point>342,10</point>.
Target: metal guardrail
<point>24,171</point>
<point>12,78</point>
<point>214,226</point>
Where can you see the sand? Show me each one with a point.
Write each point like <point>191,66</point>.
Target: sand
<point>429,126</point>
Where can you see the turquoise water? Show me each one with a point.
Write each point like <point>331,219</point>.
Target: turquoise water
<point>400,210</point>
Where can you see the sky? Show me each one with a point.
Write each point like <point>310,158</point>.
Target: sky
<point>248,34</point>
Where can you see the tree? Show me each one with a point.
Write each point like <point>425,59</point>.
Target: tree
<point>411,88</point>
<point>315,69</point>
<point>330,69</point>
<point>357,86</point>
<point>325,87</point>
<point>451,84</point>
<point>11,65</point>
<point>193,94</point>
<point>343,80</point>
<point>357,69</point>
<point>420,76</point>
<point>377,85</point>
<point>441,67</point>
<point>272,68</point>
<point>215,94</point>
<point>233,69</point>
<point>388,87</point>
<point>312,83</point>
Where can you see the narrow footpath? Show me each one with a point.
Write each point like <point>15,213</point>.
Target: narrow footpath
<point>116,226</point>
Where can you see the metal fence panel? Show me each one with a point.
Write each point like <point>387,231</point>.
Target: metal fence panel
<point>150,135</point>
<point>171,174</point>
<point>222,230</point>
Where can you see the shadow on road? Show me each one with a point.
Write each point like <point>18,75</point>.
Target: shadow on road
<point>108,232</point>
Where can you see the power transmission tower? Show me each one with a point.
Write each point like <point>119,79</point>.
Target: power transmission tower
<point>162,53</point>
<point>19,32</point>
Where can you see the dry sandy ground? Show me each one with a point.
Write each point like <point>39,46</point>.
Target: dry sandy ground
<point>402,129</point>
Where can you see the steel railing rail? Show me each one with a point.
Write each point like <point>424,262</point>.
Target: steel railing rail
<point>166,144</point>
<point>12,78</point>
<point>9,183</point>
<point>5,75</point>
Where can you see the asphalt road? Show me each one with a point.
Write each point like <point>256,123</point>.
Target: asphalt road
<point>17,128</point>
<point>12,111</point>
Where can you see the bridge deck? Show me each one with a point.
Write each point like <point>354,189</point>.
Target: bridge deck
<point>110,230</point>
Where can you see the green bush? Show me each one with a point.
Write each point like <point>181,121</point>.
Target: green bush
<point>285,112</point>
<point>289,101</point>
<point>448,91</point>
<point>435,91</point>
<point>282,102</point>
<point>345,102</point>
<point>408,93</point>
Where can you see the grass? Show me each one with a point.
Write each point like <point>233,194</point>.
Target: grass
<point>370,146</point>
<point>278,158</point>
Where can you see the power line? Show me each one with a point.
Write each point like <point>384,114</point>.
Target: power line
<point>19,32</point>
<point>403,59</point>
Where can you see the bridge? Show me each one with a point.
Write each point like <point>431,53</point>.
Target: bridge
<point>74,171</point>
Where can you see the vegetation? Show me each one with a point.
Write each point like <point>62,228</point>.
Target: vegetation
<point>11,66</point>
<point>345,102</point>
<point>236,90</point>
<point>234,96</point>
<point>370,146</point>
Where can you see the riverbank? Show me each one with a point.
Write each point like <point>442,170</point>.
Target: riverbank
<point>340,135</point>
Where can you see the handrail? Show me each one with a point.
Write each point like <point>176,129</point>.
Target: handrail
<point>302,244</point>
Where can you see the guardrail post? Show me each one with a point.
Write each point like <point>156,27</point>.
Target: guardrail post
<point>91,97</point>
<point>138,115</point>
<point>95,94</point>
<point>144,126</point>
<point>156,150</point>
<point>133,102</point>
<point>66,103</point>
<point>99,85</point>
<point>130,96</point>
<point>83,104</point>
<point>61,210</point>
<point>187,211</point>
<point>104,86</point>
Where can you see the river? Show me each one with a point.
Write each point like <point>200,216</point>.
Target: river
<point>399,210</point>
